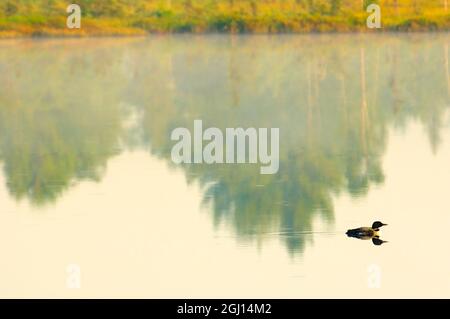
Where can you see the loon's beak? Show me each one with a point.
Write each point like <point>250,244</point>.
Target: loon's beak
<point>384,224</point>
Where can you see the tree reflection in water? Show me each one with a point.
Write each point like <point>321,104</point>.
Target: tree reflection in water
<point>64,110</point>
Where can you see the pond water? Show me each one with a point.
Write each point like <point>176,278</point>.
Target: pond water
<point>89,193</point>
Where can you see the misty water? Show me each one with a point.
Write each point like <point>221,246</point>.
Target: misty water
<point>87,178</point>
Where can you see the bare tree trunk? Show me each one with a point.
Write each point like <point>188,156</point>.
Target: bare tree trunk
<point>396,6</point>
<point>254,7</point>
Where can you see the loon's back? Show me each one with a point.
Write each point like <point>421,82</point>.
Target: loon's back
<point>362,233</point>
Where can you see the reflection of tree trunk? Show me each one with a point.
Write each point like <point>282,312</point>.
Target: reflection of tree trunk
<point>314,115</point>
<point>446,68</point>
<point>345,118</point>
<point>317,93</point>
<point>309,129</point>
<point>376,87</point>
<point>170,72</point>
<point>234,73</point>
<point>167,87</point>
<point>395,100</point>
<point>344,97</point>
<point>363,109</point>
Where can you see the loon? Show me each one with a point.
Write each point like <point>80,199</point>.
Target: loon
<point>368,233</point>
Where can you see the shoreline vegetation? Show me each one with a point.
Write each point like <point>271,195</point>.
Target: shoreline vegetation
<point>33,18</point>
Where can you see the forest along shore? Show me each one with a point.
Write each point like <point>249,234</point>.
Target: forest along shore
<point>139,17</point>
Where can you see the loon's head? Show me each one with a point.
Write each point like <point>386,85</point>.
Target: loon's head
<point>376,225</point>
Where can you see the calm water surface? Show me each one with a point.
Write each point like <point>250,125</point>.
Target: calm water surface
<point>87,177</point>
